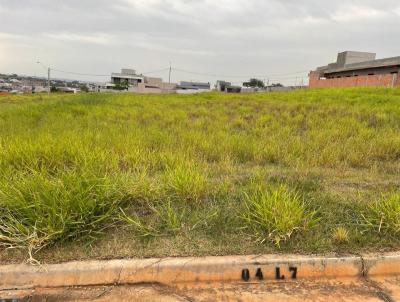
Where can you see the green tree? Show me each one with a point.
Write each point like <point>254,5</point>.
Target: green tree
<point>254,83</point>
<point>84,88</point>
<point>123,85</point>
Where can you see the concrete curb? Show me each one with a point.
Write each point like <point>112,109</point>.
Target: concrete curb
<point>381,265</point>
<point>205,269</point>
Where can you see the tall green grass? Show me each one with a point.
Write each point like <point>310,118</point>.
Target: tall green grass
<point>276,213</point>
<point>74,166</point>
<point>38,209</point>
<point>383,215</point>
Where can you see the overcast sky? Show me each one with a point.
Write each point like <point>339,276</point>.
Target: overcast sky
<point>266,38</point>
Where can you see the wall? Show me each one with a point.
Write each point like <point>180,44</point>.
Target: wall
<point>153,81</point>
<point>162,88</point>
<point>168,86</point>
<point>191,91</point>
<point>284,88</point>
<point>381,80</point>
<point>143,89</point>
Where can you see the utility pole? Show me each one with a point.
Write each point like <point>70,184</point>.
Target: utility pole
<point>48,80</point>
<point>48,75</point>
<point>170,70</point>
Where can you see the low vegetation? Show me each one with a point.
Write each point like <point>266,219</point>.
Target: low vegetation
<point>100,176</point>
<point>275,214</point>
<point>383,215</point>
<point>340,235</point>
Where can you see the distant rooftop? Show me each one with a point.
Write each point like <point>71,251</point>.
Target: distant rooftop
<point>193,85</point>
<point>128,71</point>
<point>126,74</point>
<point>355,60</point>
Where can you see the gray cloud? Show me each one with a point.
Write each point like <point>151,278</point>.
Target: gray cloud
<point>238,37</point>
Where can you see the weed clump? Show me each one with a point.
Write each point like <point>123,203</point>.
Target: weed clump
<point>275,214</point>
<point>340,235</point>
<point>383,216</point>
<point>185,183</point>
<point>38,210</point>
<point>159,220</point>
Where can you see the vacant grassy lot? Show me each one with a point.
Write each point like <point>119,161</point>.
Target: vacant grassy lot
<point>103,176</point>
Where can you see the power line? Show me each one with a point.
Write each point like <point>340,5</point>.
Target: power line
<point>156,71</point>
<point>82,74</point>
<point>270,76</point>
<point>104,75</point>
<point>205,74</point>
<point>291,73</point>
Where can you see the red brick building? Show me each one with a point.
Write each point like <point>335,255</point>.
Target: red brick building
<point>354,69</point>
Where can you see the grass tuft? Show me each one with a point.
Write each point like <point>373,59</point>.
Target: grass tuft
<point>275,214</point>
<point>42,209</point>
<point>383,216</point>
<point>340,235</point>
<point>186,183</point>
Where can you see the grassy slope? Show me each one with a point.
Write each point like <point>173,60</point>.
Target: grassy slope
<point>128,175</point>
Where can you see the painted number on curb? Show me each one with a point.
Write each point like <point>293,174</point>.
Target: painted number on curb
<point>278,274</point>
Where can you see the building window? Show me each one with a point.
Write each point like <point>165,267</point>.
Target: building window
<point>371,74</point>
<point>394,72</point>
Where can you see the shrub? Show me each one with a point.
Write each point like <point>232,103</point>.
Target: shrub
<point>275,214</point>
